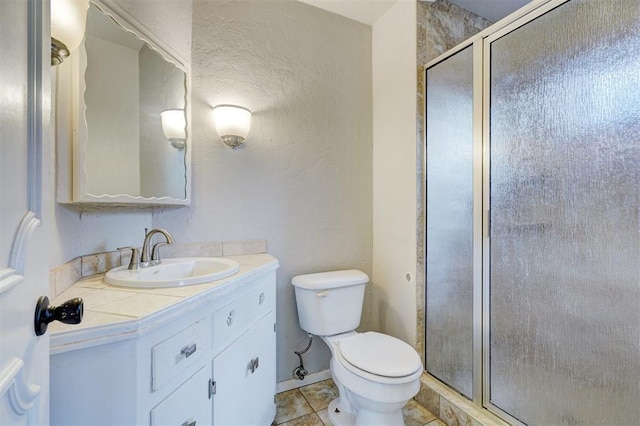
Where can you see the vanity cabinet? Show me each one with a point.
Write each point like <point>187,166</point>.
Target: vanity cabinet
<point>209,360</point>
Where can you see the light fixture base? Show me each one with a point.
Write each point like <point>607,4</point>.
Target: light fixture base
<point>177,143</point>
<point>59,51</point>
<point>233,141</point>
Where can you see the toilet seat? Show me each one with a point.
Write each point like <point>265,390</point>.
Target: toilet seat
<point>379,358</point>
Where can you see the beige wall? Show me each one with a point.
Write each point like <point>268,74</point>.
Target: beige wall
<point>394,172</point>
<point>303,181</point>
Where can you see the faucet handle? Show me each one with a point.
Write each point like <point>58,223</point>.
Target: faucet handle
<point>135,258</point>
<point>155,252</point>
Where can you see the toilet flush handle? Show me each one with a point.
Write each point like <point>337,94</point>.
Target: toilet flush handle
<point>323,293</point>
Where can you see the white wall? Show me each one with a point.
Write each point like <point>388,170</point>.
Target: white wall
<point>304,179</point>
<point>394,171</point>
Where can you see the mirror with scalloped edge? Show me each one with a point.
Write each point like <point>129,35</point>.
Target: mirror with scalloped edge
<point>129,109</point>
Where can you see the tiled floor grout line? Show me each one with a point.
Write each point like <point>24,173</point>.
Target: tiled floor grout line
<point>308,402</point>
<point>415,415</point>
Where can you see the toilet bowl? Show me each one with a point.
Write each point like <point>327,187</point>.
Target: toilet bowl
<point>376,374</point>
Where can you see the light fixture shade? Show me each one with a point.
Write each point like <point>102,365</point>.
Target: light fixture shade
<point>174,124</point>
<point>68,22</point>
<point>232,124</point>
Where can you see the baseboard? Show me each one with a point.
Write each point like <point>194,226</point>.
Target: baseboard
<point>309,380</point>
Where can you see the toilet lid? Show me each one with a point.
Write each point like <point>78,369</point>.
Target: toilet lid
<point>380,354</point>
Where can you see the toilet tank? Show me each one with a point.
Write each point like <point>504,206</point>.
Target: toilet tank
<point>330,302</point>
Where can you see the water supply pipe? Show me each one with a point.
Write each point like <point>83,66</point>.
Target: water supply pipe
<point>300,372</point>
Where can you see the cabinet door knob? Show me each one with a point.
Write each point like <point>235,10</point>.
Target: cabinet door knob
<point>188,350</point>
<point>70,312</point>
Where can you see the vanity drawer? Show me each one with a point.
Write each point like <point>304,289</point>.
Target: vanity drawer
<point>234,319</point>
<point>175,354</point>
<point>188,405</point>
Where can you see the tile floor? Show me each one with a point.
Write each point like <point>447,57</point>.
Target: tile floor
<point>307,406</point>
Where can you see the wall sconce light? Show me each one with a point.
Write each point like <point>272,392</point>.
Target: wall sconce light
<point>174,125</point>
<point>232,124</point>
<point>68,22</point>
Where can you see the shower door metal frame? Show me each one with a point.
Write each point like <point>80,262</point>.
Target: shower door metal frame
<point>476,45</point>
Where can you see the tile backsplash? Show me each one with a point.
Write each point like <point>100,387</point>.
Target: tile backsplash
<point>63,276</point>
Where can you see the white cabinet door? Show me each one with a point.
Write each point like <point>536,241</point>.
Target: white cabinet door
<point>232,383</point>
<point>263,380</point>
<point>187,406</point>
<point>245,379</point>
<point>24,118</point>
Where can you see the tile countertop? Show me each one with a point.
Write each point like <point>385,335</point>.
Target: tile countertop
<point>114,313</point>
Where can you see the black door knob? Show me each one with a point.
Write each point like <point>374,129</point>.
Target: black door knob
<point>70,312</point>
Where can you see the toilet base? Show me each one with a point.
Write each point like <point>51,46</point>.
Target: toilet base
<point>339,417</point>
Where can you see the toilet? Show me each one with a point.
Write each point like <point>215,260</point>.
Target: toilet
<point>376,374</point>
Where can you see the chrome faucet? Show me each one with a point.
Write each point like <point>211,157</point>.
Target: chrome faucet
<point>155,252</point>
<point>143,261</point>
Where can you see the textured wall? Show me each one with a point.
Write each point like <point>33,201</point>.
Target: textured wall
<point>304,179</point>
<point>169,20</point>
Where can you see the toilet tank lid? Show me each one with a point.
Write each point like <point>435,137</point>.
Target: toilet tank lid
<point>333,279</point>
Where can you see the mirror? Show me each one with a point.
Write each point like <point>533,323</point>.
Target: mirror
<point>130,127</point>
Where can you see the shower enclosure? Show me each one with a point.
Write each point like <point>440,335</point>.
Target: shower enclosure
<point>533,215</point>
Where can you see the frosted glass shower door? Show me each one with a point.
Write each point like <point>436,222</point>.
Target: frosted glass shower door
<point>449,251</point>
<point>564,278</point>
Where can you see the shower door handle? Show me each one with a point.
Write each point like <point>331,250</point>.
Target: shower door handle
<point>486,224</point>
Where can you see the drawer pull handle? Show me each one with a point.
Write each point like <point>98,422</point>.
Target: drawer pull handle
<point>253,364</point>
<point>261,299</point>
<point>188,423</point>
<point>187,351</point>
<point>230,318</point>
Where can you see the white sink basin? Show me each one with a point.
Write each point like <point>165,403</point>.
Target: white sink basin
<point>174,272</point>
